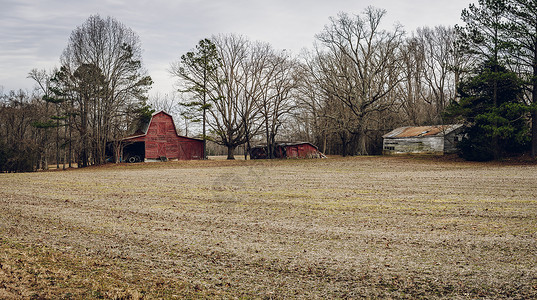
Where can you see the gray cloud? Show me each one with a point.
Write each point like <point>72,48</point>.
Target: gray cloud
<point>33,34</point>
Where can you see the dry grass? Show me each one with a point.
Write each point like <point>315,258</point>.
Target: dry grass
<point>335,228</point>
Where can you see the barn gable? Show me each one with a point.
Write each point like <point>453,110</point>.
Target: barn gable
<point>158,139</point>
<point>436,139</point>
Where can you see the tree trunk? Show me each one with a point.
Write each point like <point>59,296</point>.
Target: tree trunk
<point>495,143</point>
<point>344,144</point>
<point>64,159</point>
<point>70,142</point>
<point>64,148</point>
<point>324,142</point>
<point>84,134</point>
<point>362,146</point>
<point>247,147</point>
<point>57,144</point>
<point>230,151</point>
<point>534,113</point>
<point>267,135</point>
<point>534,134</point>
<point>204,117</point>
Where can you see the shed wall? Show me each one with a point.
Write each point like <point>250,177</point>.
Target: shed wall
<point>432,145</point>
<point>450,142</point>
<point>301,151</point>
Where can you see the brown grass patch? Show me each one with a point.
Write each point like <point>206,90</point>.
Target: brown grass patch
<point>396,227</point>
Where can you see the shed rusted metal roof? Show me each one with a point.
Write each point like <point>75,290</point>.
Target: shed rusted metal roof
<point>422,131</point>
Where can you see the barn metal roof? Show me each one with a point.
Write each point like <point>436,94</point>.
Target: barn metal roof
<point>422,131</point>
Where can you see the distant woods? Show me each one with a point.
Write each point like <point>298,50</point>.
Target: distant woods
<point>360,80</point>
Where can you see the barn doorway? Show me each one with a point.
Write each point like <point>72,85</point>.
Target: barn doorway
<point>134,152</point>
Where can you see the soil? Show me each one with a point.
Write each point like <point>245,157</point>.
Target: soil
<point>373,227</point>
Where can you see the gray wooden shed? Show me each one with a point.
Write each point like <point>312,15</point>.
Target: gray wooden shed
<point>435,139</point>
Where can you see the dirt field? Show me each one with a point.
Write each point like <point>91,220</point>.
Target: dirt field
<point>374,227</point>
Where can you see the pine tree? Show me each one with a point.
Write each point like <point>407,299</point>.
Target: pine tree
<point>491,105</point>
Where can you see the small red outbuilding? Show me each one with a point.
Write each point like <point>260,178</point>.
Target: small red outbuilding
<point>287,150</point>
<point>158,140</point>
<point>301,150</point>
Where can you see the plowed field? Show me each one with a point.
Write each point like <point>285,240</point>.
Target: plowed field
<point>375,227</point>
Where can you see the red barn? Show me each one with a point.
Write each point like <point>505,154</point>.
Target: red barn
<point>158,139</point>
<point>301,150</point>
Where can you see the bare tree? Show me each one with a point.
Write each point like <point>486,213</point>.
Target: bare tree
<point>312,99</point>
<point>20,140</point>
<point>167,102</point>
<point>235,80</point>
<point>443,66</point>
<point>102,73</point>
<point>276,102</point>
<point>254,82</point>
<point>363,65</point>
<point>412,100</point>
<point>226,92</point>
<point>269,83</point>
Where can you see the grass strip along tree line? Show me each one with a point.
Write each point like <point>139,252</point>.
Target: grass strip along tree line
<point>357,83</point>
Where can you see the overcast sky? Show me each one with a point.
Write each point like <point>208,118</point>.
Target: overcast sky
<point>34,33</point>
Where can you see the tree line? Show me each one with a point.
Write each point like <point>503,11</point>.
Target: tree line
<point>358,82</point>
<point>362,80</point>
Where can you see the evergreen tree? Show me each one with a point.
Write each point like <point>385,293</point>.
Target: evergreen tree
<point>492,107</point>
<point>195,70</point>
<point>522,30</point>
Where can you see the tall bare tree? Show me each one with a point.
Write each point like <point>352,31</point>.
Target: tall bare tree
<point>443,66</point>
<point>277,101</point>
<point>413,101</point>
<point>269,84</point>
<point>312,100</point>
<point>364,65</point>
<point>432,66</point>
<point>102,73</point>
<point>227,92</point>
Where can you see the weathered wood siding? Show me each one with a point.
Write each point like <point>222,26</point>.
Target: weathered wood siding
<point>301,151</point>
<point>429,145</point>
<point>450,142</point>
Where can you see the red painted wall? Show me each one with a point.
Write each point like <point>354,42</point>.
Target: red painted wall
<point>162,140</point>
<point>301,151</point>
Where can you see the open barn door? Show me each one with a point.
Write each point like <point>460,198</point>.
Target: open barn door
<point>134,152</point>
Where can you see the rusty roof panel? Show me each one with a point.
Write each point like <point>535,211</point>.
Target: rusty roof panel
<point>422,131</point>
